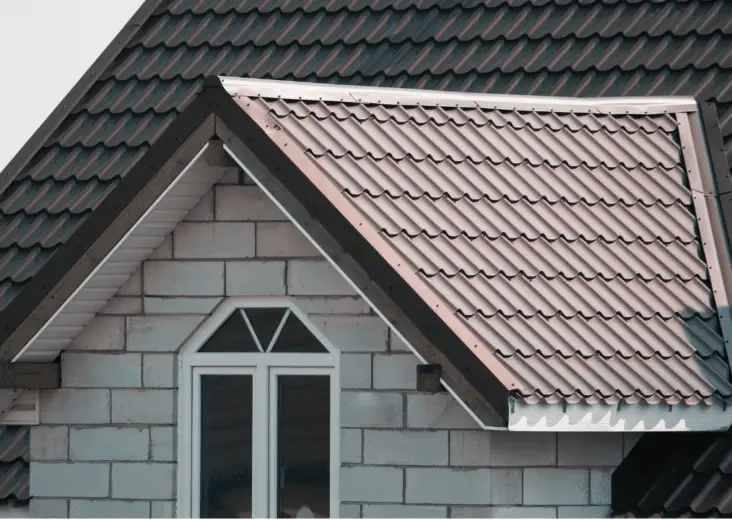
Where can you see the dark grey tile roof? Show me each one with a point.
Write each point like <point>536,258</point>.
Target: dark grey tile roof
<point>547,47</point>
<point>672,475</point>
<point>14,464</point>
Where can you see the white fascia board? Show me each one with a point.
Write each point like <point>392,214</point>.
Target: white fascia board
<point>637,417</point>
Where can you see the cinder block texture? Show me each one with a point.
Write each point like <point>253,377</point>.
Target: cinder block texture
<point>143,480</point>
<point>110,443</point>
<point>556,486</point>
<point>65,480</point>
<point>107,442</point>
<point>371,484</point>
<point>109,509</point>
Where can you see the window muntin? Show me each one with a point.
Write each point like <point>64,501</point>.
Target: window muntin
<point>278,350</point>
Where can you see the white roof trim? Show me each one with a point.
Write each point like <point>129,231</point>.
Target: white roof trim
<point>358,290</point>
<point>145,235</point>
<point>620,417</point>
<point>307,91</point>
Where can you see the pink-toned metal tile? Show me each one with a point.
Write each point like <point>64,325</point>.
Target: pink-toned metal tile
<point>470,142</point>
<point>565,242</point>
<point>597,259</point>
<point>522,218</point>
<point>573,297</point>
<point>597,336</point>
<point>475,181</point>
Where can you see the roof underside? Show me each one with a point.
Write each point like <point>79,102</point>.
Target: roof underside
<point>541,47</point>
<point>565,244</point>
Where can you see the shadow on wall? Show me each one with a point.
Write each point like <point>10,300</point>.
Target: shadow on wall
<point>674,474</point>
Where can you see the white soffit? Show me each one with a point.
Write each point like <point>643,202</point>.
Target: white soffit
<point>194,181</point>
<point>617,418</point>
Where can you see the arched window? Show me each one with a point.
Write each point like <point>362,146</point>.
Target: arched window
<point>258,423</point>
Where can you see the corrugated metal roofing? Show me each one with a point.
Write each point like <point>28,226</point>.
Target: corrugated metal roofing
<point>675,475</point>
<point>578,298</point>
<point>14,464</point>
<point>542,47</point>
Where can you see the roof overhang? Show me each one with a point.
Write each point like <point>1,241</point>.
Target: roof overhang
<point>620,417</point>
<point>215,115</point>
<point>127,226</point>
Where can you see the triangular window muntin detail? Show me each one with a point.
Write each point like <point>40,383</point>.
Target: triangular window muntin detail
<point>296,337</point>
<point>276,330</point>
<point>233,336</point>
<point>265,322</point>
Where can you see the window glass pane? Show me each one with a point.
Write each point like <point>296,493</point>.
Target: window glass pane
<point>226,446</point>
<point>303,451</point>
<point>296,337</point>
<point>232,336</point>
<point>265,323</point>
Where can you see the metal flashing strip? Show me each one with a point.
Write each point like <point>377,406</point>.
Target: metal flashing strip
<point>242,156</point>
<point>636,417</point>
<point>709,220</point>
<point>275,89</point>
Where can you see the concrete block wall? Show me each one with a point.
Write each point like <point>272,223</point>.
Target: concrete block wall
<point>106,444</point>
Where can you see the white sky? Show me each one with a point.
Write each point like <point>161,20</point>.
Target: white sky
<point>45,47</point>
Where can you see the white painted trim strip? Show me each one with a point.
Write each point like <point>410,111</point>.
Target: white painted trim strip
<point>250,327</point>
<point>109,255</point>
<point>617,418</point>
<point>355,287</point>
<point>295,90</point>
<point>278,330</point>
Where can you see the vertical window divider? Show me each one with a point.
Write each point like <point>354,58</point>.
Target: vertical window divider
<point>273,476</point>
<point>260,445</point>
<point>265,369</point>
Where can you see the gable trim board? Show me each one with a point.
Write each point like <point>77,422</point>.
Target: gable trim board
<point>373,268</point>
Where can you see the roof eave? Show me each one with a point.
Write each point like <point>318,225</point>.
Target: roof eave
<point>618,417</point>
<point>42,297</point>
<point>76,260</point>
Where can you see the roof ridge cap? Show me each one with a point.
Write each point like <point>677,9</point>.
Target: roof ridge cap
<point>328,92</point>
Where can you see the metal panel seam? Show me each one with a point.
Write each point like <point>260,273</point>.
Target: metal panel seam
<point>714,243</point>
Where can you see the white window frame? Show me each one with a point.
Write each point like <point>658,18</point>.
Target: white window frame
<point>264,367</point>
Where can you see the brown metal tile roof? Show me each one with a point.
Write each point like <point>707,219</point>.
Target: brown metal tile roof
<point>673,475</point>
<point>528,47</point>
<point>525,225</point>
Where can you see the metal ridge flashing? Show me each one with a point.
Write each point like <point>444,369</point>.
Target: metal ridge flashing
<point>711,215</point>
<point>327,92</point>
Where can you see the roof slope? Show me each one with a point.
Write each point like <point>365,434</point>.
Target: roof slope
<point>675,474</point>
<point>14,464</point>
<point>547,47</point>
<point>557,238</point>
